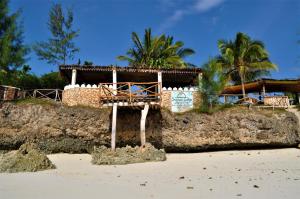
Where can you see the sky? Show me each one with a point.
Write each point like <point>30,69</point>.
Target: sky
<point>105,27</point>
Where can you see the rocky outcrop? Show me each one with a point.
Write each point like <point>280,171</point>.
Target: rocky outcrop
<point>57,128</point>
<point>127,155</point>
<point>27,159</point>
<point>233,128</point>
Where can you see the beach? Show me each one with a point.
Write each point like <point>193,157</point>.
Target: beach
<point>222,174</point>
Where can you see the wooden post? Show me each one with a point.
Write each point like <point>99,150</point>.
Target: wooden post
<point>56,94</point>
<point>114,126</point>
<point>129,87</point>
<point>143,124</point>
<point>4,94</point>
<point>114,81</point>
<point>74,77</point>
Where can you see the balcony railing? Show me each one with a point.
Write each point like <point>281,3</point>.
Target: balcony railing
<point>130,92</point>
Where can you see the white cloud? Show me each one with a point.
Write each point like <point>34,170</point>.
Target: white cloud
<point>205,5</point>
<point>198,6</point>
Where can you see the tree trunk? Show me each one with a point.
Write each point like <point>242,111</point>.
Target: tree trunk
<point>243,85</point>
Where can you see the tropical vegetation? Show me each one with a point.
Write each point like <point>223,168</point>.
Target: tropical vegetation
<point>244,58</point>
<point>13,51</point>
<point>12,48</point>
<point>60,47</point>
<point>212,84</point>
<point>156,52</point>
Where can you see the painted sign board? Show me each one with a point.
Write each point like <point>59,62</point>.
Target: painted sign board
<point>182,101</point>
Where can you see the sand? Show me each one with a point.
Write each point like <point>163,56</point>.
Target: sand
<point>229,174</point>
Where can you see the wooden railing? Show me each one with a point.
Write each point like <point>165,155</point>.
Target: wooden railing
<point>130,92</point>
<point>52,94</point>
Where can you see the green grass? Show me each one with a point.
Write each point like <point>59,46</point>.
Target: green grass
<point>35,101</point>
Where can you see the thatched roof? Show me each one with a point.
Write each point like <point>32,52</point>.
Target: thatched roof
<point>271,85</point>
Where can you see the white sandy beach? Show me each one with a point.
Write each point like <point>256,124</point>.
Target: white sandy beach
<point>229,174</point>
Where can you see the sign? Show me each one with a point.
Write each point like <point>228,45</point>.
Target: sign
<point>182,101</point>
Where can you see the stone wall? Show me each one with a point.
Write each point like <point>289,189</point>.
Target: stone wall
<point>82,96</point>
<point>197,99</point>
<point>276,101</point>
<point>90,96</point>
<point>166,100</point>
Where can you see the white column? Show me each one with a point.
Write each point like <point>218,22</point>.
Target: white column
<point>74,77</point>
<point>159,80</point>
<point>114,126</point>
<point>264,90</point>
<point>200,81</point>
<point>114,81</point>
<point>143,124</point>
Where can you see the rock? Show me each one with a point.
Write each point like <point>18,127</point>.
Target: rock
<point>27,159</point>
<point>127,155</point>
<point>56,128</point>
<point>299,146</point>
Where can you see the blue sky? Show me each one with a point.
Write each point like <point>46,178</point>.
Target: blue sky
<point>106,25</point>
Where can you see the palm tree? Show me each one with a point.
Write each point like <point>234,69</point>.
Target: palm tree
<point>156,52</point>
<point>212,83</point>
<point>244,56</point>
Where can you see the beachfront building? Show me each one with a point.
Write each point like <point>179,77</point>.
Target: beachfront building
<point>137,88</point>
<point>99,86</point>
<point>8,93</point>
<point>268,92</point>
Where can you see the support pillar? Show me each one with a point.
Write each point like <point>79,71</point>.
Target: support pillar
<point>259,96</point>
<point>225,99</point>
<point>74,77</point>
<point>200,81</point>
<point>143,124</point>
<point>114,81</point>
<point>264,91</point>
<point>159,80</point>
<point>114,126</point>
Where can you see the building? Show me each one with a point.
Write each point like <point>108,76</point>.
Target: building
<point>270,92</point>
<point>96,86</point>
<point>8,93</point>
<point>138,88</point>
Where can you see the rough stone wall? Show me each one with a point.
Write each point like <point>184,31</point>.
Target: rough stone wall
<point>197,99</point>
<point>57,128</point>
<point>276,101</point>
<point>166,101</point>
<point>82,96</point>
<point>91,97</point>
